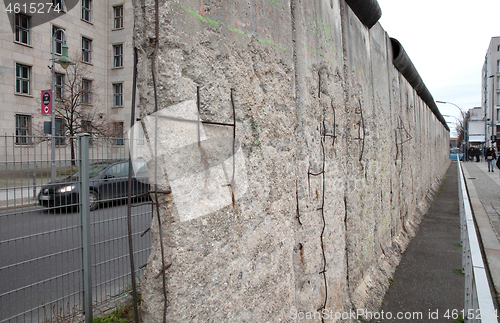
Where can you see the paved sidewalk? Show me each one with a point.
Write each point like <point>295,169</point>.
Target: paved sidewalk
<point>428,284</point>
<point>428,280</point>
<point>10,198</point>
<point>12,194</point>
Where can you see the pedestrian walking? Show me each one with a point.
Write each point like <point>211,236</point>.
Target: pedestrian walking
<point>472,153</point>
<point>490,156</point>
<point>498,163</point>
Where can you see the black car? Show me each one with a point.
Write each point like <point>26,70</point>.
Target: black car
<point>107,181</point>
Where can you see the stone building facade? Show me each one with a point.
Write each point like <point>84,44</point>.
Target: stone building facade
<point>99,37</point>
<point>490,93</point>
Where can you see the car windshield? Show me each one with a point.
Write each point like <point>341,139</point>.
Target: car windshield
<point>94,170</point>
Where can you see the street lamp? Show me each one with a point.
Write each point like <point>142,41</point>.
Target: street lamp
<point>65,62</point>
<point>450,116</point>
<point>492,104</point>
<point>464,126</point>
<point>451,123</point>
<point>447,115</point>
<point>445,102</point>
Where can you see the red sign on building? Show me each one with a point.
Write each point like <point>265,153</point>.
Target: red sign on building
<point>46,108</point>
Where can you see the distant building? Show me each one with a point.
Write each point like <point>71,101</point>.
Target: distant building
<point>453,142</point>
<point>490,94</point>
<point>99,34</point>
<point>476,128</point>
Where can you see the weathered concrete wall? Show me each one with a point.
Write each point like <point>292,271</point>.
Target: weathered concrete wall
<point>335,159</point>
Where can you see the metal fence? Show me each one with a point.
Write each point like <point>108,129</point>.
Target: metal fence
<point>478,302</point>
<point>42,230</point>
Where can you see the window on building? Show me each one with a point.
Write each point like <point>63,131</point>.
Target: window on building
<point>58,4</point>
<point>118,133</point>
<point>118,94</point>
<point>498,66</point>
<point>498,101</point>
<point>22,26</point>
<point>118,55</point>
<point>86,91</point>
<point>86,10</point>
<point>86,127</point>
<point>23,129</point>
<point>498,83</point>
<point>86,49</point>
<point>59,85</point>
<point>118,17</point>
<point>58,39</point>
<point>23,79</point>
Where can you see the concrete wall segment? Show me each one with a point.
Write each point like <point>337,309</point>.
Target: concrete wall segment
<point>340,157</point>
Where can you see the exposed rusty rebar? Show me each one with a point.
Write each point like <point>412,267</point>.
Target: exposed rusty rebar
<point>129,194</point>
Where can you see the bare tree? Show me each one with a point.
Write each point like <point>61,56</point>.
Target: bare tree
<point>461,127</point>
<point>77,105</point>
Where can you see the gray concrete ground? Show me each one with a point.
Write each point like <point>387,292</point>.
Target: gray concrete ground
<point>427,285</point>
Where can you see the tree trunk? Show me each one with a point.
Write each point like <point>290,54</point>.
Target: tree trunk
<point>72,144</point>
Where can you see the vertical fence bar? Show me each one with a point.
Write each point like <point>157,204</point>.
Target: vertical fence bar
<point>463,228</point>
<point>83,146</point>
<point>13,164</point>
<point>6,170</point>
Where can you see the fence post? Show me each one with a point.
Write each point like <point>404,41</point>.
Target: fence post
<point>83,145</point>
<point>34,185</point>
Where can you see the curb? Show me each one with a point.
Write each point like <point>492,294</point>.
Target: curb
<point>488,238</point>
<point>17,203</point>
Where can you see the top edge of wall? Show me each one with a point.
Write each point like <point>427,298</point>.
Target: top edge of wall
<point>367,11</point>
<point>404,65</point>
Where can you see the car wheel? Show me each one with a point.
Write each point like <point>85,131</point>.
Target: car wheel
<point>93,200</point>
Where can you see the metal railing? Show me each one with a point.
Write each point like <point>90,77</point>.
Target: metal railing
<point>56,259</point>
<point>478,302</point>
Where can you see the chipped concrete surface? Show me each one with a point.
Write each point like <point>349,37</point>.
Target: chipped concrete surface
<point>337,159</point>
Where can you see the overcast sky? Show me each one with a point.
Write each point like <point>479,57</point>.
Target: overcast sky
<point>447,42</point>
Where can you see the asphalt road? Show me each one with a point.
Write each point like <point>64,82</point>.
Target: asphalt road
<point>41,258</point>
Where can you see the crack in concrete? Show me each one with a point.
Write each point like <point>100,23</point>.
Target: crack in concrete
<point>346,243</point>
<point>297,201</point>
<point>324,222</point>
<point>361,126</point>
